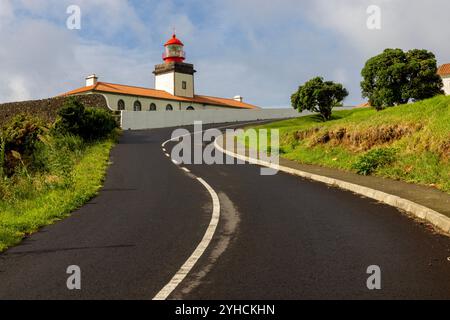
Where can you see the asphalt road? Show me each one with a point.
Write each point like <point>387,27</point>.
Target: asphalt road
<point>279,237</point>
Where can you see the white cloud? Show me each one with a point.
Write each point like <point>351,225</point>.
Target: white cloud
<point>6,12</point>
<point>262,50</point>
<point>42,58</point>
<point>405,23</point>
<point>17,89</point>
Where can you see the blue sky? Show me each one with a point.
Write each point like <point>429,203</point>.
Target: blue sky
<point>261,50</point>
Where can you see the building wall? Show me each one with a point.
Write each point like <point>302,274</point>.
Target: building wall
<point>161,104</point>
<point>446,80</point>
<point>153,120</point>
<point>189,79</point>
<point>165,82</point>
<point>172,82</point>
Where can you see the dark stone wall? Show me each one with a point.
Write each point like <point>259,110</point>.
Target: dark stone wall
<point>47,109</point>
<point>179,67</point>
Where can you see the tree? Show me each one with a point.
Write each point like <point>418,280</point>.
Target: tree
<point>424,81</point>
<point>320,96</point>
<point>395,77</point>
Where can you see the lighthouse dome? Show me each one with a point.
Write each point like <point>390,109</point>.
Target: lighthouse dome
<point>174,50</point>
<point>174,41</point>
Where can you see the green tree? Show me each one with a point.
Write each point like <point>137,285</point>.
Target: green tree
<point>424,82</point>
<point>395,77</point>
<point>320,96</point>
<point>384,79</point>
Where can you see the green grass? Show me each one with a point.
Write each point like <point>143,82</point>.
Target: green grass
<point>46,198</point>
<point>421,143</point>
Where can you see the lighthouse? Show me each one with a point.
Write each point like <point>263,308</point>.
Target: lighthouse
<point>174,75</point>
<point>174,88</point>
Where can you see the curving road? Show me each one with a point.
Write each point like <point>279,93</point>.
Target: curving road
<point>278,237</point>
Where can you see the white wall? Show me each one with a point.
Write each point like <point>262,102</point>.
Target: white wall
<point>113,99</point>
<point>172,82</point>
<point>446,80</point>
<point>163,119</point>
<point>165,82</point>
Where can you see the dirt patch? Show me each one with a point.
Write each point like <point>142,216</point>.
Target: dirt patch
<point>445,149</point>
<point>359,140</point>
<point>301,135</point>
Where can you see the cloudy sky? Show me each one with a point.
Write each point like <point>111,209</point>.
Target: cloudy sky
<point>259,49</point>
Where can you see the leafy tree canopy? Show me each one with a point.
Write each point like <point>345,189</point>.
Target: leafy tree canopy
<point>319,96</point>
<point>396,77</point>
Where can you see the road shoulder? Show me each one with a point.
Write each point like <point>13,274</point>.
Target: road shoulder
<point>425,203</point>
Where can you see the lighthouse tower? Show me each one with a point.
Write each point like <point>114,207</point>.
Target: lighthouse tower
<point>174,75</point>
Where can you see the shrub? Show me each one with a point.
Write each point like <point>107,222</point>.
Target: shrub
<point>98,124</point>
<point>19,138</point>
<point>372,160</point>
<point>88,123</point>
<point>71,117</point>
<point>57,154</point>
<point>2,156</point>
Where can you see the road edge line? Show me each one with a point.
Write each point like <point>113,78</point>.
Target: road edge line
<point>201,248</point>
<point>437,219</point>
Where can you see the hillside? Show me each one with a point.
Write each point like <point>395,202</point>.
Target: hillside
<point>408,142</point>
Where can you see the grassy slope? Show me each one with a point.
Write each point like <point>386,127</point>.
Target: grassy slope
<point>18,219</point>
<point>422,155</point>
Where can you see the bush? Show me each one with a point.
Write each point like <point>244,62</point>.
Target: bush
<point>56,154</point>
<point>71,117</point>
<point>88,123</point>
<point>19,138</point>
<point>372,160</point>
<point>98,124</point>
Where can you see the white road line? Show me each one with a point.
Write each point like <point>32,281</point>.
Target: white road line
<point>186,169</point>
<point>197,132</point>
<point>437,219</point>
<point>190,263</point>
<point>201,248</point>
<point>175,162</point>
<point>167,155</point>
<point>164,150</point>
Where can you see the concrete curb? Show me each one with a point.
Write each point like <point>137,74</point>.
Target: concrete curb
<point>437,219</point>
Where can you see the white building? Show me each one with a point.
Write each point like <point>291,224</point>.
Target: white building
<point>174,88</point>
<point>444,72</point>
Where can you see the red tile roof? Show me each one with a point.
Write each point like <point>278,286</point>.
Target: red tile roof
<point>364,105</point>
<point>444,70</point>
<point>158,94</point>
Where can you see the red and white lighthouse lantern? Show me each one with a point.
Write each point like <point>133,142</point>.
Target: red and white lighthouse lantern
<point>174,50</point>
<point>174,75</point>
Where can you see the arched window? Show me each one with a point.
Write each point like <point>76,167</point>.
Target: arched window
<point>169,107</point>
<point>137,106</point>
<point>152,107</point>
<point>121,105</point>
<point>190,108</point>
